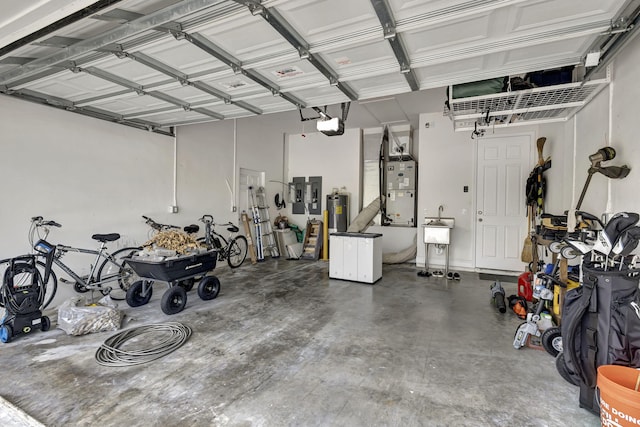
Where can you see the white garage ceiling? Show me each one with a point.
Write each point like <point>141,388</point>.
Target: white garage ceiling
<point>156,64</point>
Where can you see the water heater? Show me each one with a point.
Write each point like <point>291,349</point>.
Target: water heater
<point>338,207</point>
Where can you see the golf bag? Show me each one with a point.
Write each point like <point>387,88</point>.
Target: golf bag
<point>600,326</point>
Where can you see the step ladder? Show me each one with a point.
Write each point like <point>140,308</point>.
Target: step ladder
<point>265,239</point>
<point>312,240</point>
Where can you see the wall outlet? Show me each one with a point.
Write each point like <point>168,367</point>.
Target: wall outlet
<point>173,209</point>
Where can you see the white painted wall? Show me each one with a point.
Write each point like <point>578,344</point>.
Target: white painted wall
<point>335,159</point>
<point>625,136</point>
<point>609,119</point>
<point>89,175</point>
<point>448,163</point>
<point>591,130</point>
<point>205,158</point>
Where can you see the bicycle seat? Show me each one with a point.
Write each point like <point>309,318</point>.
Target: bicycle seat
<point>233,229</point>
<point>193,228</point>
<point>111,237</point>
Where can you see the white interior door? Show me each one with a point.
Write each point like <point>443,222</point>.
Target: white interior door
<point>501,225</point>
<point>248,178</point>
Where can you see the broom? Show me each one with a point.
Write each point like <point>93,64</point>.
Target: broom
<point>527,247</point>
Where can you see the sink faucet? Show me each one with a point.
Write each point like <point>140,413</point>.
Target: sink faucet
<point>440,209</point>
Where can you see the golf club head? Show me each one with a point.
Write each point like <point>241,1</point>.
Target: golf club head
<point>578,246</point>
<point>603,244</point>
<point>627,241</point>
<point>614,172</point>
<point>586,217</point>
<point>611,232</point>
<point>619,223</point>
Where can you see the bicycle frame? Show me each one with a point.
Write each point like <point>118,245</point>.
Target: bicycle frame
<point>104,260</point>
<point>210,233</point>
<point>223,250</point>
<point>101,256</point>
<point>233,248</point>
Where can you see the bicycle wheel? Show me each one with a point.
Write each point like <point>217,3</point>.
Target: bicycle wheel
<point>237,251</point>
<point>115,268</point>
<point>51,286</point>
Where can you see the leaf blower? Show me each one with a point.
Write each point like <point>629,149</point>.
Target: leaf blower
<point>497,295</point>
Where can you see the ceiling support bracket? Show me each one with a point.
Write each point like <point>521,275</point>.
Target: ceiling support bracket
<point>221,55</point>
<point>383,10</point>
<point>132,28</point>
<point>96,113</point>
<point>104,75</point>
<point>278,23</point>
<point>180,77</point>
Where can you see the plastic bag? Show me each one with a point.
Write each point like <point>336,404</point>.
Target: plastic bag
<point>75,317</point>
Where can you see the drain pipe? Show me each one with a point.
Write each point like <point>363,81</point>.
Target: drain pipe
<point>233,189</point>
<point>174,205</point>
<point>571,215</point>
<point>609,208</point>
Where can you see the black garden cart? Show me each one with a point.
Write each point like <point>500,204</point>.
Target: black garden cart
<point>180,273</point>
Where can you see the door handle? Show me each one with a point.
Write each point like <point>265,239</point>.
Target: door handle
<point>479,219</point>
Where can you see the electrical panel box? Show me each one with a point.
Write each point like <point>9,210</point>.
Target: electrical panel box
<point>297,204</point>
<point>314,195</point>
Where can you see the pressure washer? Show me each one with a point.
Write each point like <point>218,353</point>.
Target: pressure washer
<point>22,295</point>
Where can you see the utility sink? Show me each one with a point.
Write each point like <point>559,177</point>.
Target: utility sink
<point>437,230</point>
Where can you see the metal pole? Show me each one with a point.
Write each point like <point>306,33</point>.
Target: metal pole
<point>584,189</point>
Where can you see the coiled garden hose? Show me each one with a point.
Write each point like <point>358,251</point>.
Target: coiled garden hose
<point>171,336</point>
<point>279,204</point>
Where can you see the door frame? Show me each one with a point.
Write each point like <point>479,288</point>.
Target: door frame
<point>532,155</point>
<point>254,172</point>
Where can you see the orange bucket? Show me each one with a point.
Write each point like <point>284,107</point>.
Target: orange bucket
<point>619,395</point>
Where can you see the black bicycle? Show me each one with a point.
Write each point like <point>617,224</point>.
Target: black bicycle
<point>233,248</point>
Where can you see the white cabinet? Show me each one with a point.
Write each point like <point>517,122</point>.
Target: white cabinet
<point>355,256</point>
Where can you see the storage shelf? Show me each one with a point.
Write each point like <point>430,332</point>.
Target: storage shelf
<point>524,107</point>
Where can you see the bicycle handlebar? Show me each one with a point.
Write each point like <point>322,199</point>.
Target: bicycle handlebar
<point>208,219</point>
<point>156,225</point>
<point>39,222</point>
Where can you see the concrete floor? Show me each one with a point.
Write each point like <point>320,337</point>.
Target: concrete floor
<point>283,345</point>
